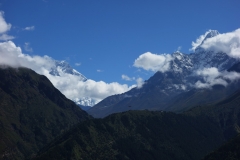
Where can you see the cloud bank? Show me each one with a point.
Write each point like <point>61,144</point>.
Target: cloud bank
<point>70,85</point>
<point>227,42</point>
<point>153,62</point>
<point>211,76</point>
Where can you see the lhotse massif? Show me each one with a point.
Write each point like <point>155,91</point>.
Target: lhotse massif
<point>174,86</point>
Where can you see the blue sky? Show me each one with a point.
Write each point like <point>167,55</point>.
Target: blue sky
<point>103,38</point>
<point>108,35</point>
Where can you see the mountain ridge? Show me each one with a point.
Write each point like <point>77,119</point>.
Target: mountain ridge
<point>151,134</point>
<point>32,112</point>
<point>160,89</point>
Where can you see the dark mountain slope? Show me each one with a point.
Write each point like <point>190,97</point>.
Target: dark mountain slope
<point>32,112</point>
<point>229,151</point>
<point>150,96</point>
<point>151,134</point>
<point>225,113</point>
<point>186,100</point>
<point>137,135</point>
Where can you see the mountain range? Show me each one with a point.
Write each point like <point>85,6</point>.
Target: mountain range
<point>188,75</point>
<point>164,89</point>
<point>152,134</point>
<point>189,111</point>
<point>38,122</point>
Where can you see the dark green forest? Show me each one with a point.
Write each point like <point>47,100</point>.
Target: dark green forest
<point>39,122</point>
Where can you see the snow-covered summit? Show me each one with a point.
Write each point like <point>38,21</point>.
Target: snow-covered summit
<point>209,34</point>
<point>64,67</point>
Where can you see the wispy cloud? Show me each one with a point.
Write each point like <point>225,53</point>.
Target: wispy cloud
<point>126,78</point>
<point>27,47</point>
<point>153,62</point>
<point>212,76</point>
<point>30,28</point>
<point>99,70</point>
<point>6,37</point>
<point>179,48</point>
<point>77,64</point>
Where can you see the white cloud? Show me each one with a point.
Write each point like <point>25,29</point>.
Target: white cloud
<point>70,85</point>
<point>27,47</point>
<point>211,76</point>
<point>5,37</point>
<point>126,78</point>
<point>228,43</point>
<point>153,62</point>
<point>140,82</point>
<point>30,28</point>
<point>4,27</point>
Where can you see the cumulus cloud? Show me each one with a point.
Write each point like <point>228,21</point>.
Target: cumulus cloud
<point>70,85</point>
<point>4,28</point>
<point>211,76</point>
<point>30,28</point>
<point>228,43</point>
<point>153,62</point>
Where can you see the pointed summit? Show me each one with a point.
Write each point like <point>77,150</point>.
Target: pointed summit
<point>63,66</point>
<point>210,34</point>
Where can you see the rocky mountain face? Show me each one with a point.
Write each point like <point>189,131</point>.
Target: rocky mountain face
<point>32,112</point>
<point>159,91</point>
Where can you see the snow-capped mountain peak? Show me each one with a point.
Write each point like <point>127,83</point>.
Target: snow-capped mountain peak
<point>64,67</point>
<point>211,33</point>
